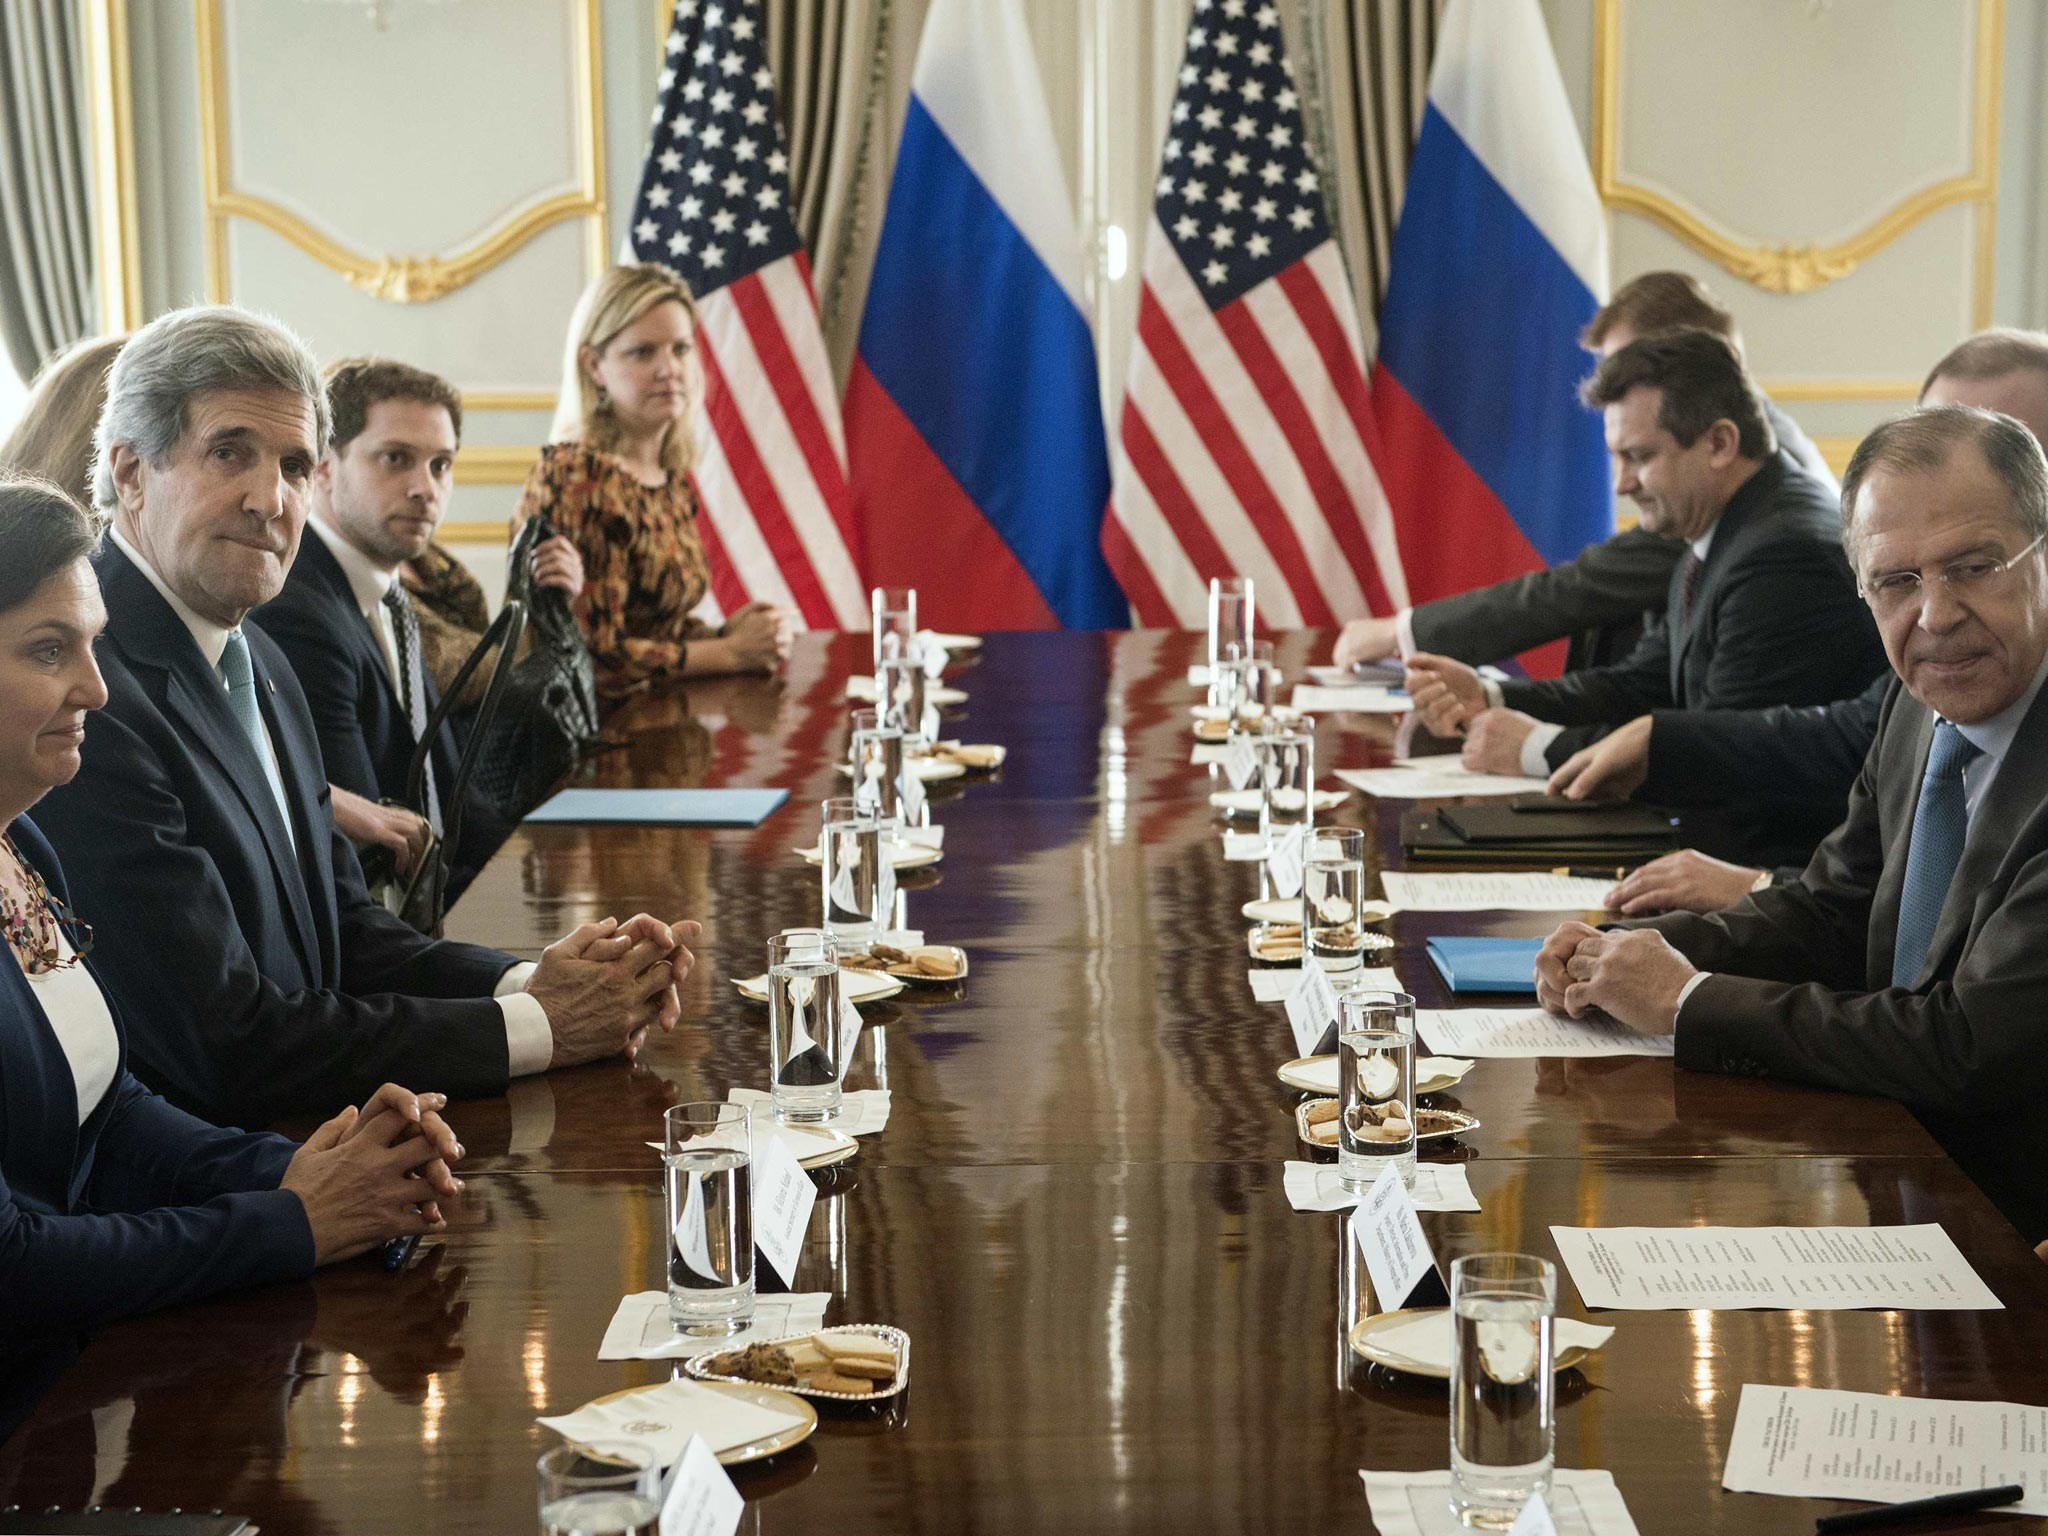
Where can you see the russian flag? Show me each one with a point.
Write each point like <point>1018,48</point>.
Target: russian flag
<point>1490,463</point>
<point>973,422</point>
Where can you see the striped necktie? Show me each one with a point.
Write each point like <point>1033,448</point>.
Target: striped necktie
<point>239,674</point>
<point>1941,822</point>
<point>412,684</point>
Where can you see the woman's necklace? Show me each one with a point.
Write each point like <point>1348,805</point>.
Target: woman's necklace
<point>31,928</point>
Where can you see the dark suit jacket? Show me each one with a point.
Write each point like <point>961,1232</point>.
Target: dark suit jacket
<point>1802,985</point>
<point>257,981</point>
<point>1776,620</point>
<point>1601,600</point>
<point>366,740</point>
<point>140,1207</point>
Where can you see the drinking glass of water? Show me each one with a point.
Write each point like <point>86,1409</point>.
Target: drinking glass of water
<point>599,1488</point>
<point>1503,1395</point>
<point>1230,617</point>
<point>1230,685</point>
<point>876,756</point>
<point>1332,885</point>
<point>1376,1083</point>
<point>859,881</point>
<point>803,1025</point>
<point>706,1161</point>
<point>1262,688</point>
<point>893,611</point>
<point>899,694</point>
<point>1286,758</point>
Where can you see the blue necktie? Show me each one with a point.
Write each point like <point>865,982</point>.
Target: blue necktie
<point>1941,822</point>
<point>240,676</point>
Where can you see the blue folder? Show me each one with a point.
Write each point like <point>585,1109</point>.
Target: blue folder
<point>664,807</point>
<point>1486,965</point>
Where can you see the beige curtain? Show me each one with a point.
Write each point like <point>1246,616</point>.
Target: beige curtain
<point>832,64</point>
<point>46,281</point>
<point>1364,89</point>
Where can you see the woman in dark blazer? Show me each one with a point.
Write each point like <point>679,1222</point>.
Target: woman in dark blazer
<point>112,1202</point>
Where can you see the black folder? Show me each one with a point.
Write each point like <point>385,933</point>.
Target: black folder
<point>1496,833</point>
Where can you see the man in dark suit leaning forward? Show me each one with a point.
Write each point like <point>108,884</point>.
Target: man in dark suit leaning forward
<point>256,976</point>
<point>1911,958</point>
<point>1760,610</point>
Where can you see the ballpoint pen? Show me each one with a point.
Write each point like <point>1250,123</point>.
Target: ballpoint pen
<point>1579,872</point>
<point>1899,1514</point>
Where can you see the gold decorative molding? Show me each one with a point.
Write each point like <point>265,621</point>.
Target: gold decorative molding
<point>1840,389</point>
<point>1836,450</point>
<point>1792,267</point>
<point>117,251</point>
<point>508,400</point>
<point>496,535</point>
<point>399,279</point>
<point>495,464</point>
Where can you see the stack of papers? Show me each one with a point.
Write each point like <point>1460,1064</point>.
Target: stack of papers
<point>1436,778</point>
<point>640,1329</point>
<point>1355,698</point>
<point>663,807</point>
<point>1494,891</point>
<point>1419,1504</point>
<point>1511,1033</point>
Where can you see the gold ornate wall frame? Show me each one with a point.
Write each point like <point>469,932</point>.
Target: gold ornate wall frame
<point>402,279</point>
<point>1792,267</point>
<point>116,249</point>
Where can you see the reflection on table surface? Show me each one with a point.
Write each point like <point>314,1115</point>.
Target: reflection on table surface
<point>1075,1210</point>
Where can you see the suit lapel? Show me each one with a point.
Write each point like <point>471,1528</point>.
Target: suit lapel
<point>1912,729</point>
<point>2010,803</point>
<point>1720,555</point>
<point>157,644</point>
<point>297,747</point>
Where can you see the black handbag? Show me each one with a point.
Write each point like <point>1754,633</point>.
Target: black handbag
<point>547,721</point>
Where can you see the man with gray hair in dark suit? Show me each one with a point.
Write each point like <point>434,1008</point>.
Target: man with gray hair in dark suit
<point>1909,959</point>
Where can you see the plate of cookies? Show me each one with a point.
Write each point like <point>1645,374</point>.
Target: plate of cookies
<point>853,1363</point>
<point>968,756</point>
<point>930,965</point>
<point>1315,1122</point>
<point>1277,943</point>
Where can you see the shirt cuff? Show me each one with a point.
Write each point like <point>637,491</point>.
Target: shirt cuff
<point>529,1038</point>
<point>1404,632</point>
<point>1494,697</point>
<point>1536,748</point>
<point>1683,993</point>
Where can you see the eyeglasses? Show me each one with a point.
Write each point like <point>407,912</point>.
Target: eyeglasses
<point>1966,578</point>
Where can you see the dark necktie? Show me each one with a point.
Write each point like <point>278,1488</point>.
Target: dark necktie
<point>412,684</point>
<point>1941,822</point>
<point>1689,585</point>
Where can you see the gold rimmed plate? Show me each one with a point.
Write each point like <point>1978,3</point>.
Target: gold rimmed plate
<point>1430,1124</point>
<point>901,855</point>
<point>775,1399</point>
<point>1318,1074</point>
<point>862,986</point>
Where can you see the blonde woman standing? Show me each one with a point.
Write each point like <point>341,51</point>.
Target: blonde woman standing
<point>615,480</point>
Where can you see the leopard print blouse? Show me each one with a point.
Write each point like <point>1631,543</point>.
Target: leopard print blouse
<point>643,565</point>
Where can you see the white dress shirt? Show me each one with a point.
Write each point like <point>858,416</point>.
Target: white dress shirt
<point>84,1026</point>
<point>529,1040</point>
<point>368,585</point>
<point>1536,745</point>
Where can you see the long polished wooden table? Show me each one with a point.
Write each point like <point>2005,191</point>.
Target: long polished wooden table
<point>1075,1210</point>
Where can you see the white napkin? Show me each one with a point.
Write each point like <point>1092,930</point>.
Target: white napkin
<point>661,1420</point>
<point>1582,1503</point>
<point>1244,847</point>
<point>640,1329</point>
<point>1425,1338</point>
<point>862,1112</point>
<point>1274,982</point>
<point>921,837</point>
<point>1438,1187</point>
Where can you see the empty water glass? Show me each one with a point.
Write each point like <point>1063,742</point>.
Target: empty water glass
<point>1286,757</point>
<point>803,1025</point>
<point>876,757</point>
<point>1376,1087</point>
<point>706,1167</point>
<point>1503,1394</point>
<point>1230,616</point>
<point>859,883</point>
<point>599,1488</point>
<point>1332,886</point>
<point>893,614</point>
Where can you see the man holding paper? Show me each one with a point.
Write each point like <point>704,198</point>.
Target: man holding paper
<point>1908,960</point>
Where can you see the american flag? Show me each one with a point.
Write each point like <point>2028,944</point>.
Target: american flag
<point>713,207</point>
<point>1244,444</point>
